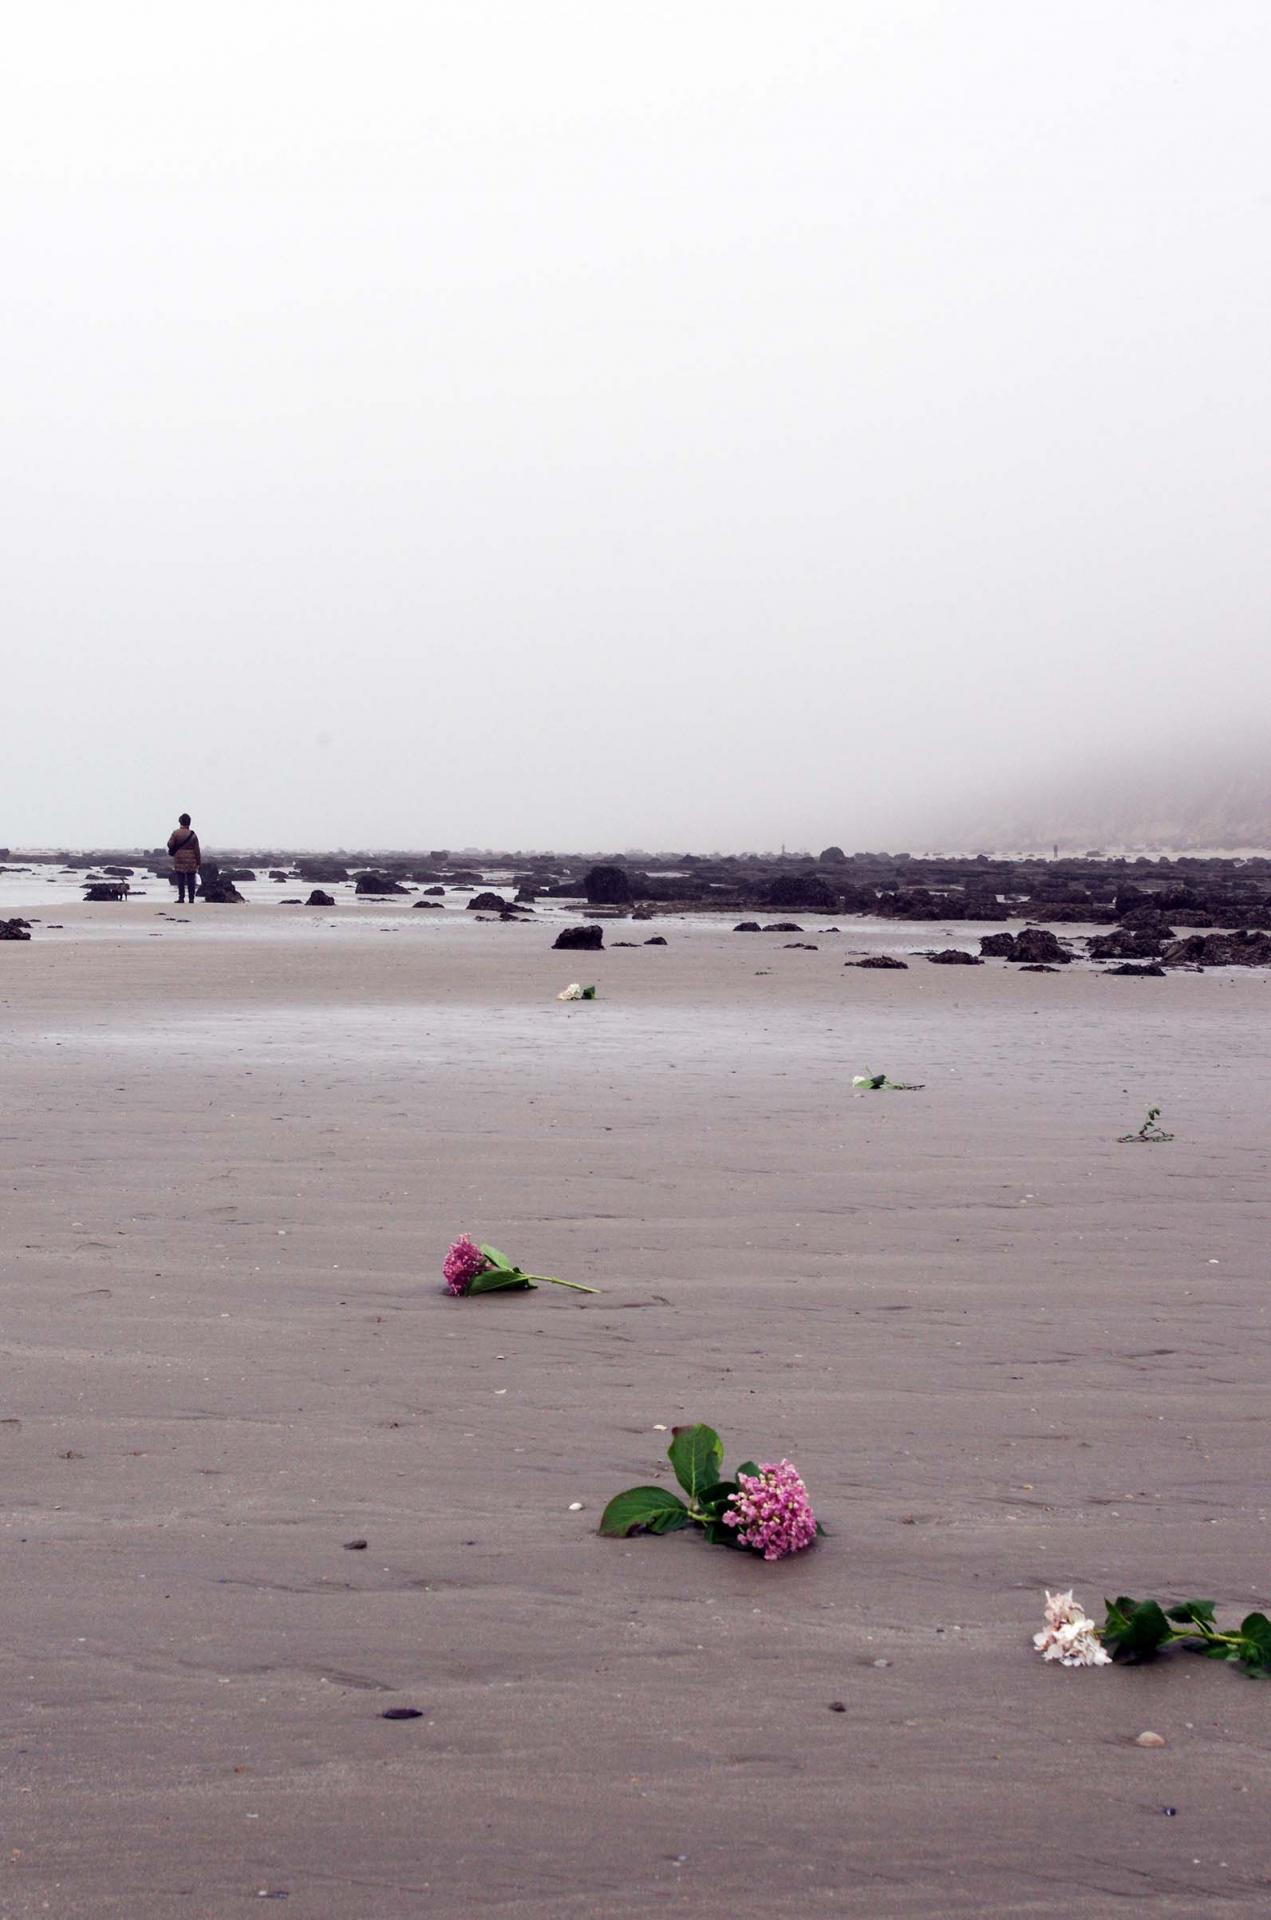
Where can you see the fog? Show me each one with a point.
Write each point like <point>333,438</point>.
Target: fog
<point>608,425</point>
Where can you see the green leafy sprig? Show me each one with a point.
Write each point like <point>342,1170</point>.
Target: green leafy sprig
<point>868,1082</point>
<point>696,1454</point>
<point>1136,1629</point>
<point>501,1274</point>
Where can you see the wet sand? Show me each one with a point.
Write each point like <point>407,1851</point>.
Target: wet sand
<point>1004,1350</point>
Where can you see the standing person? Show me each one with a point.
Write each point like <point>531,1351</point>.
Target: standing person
<point>183,845</point>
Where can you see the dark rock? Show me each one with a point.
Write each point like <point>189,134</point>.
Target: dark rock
<point>1125,943</point>
<point>487,903</point>
<point>1244,948</point>
<point>276,874</point>
<point>582,939</point>
<point>642,913</point>
<point>1039,944</point>
<point>1036,945</point>
<point>1036,966</point>
<point>955,957</point>
<point>880,961</point>
<point>608,887</point>
<point>107,890</point>
<point>430,906</point>
<point>626,943</point>
<point>801,946</point>
<point>658,940</point>
<point>782,926</point>
<point>218,892</point>
<point>746,926</point>
<point>319,899</point>
<point>15,930</point>
<point>120,873</point>
<point>434,889</point>
<point>378,884</point>
<point>806,893</point>
<point>1149,972</point>
<point>832,856</point>
<point>321,872</point>
<point>237,873</point>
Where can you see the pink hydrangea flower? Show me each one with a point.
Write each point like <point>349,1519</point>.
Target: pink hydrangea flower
<point>771,1511</point>
<point>462,1265</point>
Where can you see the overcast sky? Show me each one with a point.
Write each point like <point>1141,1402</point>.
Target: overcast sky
<point>707,424</point>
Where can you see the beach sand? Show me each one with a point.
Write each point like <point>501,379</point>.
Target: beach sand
<point>1005,1351</point>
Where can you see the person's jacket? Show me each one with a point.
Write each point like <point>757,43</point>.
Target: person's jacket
<point>183,845</point>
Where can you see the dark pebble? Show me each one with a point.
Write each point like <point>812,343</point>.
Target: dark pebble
<point>838,1706</point>
<point>355,1546</point>
<point>402,1713</point>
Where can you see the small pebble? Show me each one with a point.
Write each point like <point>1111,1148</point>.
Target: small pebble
<point>1169,1812</point>
<point>882,1663</point>
<point>1150,1740</point>
<point>402,1713</point>
<point>355,1546</point>
<point>575,1506</point>
<point>838,1706</point>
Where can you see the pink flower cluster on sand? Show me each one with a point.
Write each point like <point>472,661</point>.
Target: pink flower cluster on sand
<point>462,1265</point>
<point>771,1511</point>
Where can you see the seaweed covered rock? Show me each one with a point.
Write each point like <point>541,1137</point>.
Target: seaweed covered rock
<point>879,963</point>
<point>378,884</point>
<point>804,892</point>
<point>319,899</point>
<point>955,957</point>
<point>15,930</point>
<point>608,886</point>
<point>580,939</point>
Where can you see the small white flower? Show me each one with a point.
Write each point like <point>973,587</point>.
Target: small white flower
<point>861,1079</point>
<point>1069,1636</point>
<point>573,992</point>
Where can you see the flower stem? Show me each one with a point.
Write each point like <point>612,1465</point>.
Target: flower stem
<point>552,1281</point>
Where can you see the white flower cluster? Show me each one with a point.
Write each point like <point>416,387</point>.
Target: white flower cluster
<point>1069,1636</point>
<point>573,992</point>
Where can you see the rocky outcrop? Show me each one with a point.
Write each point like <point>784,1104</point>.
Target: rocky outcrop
<point>319,899</point>
<point>1129,971</point>
<point>657,940</point>
<point>1125,943</point>
<point>880,962</point>
<point>955,957</point>
<point>321,872</point>
<point>487,903</point>
<point>429,906</point>
<point>580,939</point>
<point>107,890</point>
<point>746,926</point>
<point>782,926</point>
<point>15,930</point>
<point>1241,949</point>
<point>1035,946</point>
<point>378,884</point>
<point>608,886</point>
<point>805,892</point>
<point>216,888</point>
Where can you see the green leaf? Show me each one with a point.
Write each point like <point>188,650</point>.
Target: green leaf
<point>1201,1611</point>
<point>1255,1643</point>
<point>655,1509</point>
<point>589,993</point>
<point>748,1466</point>
<point>500,1280</point>
<point>718,1495</point>
<point>718,1535</point>
<point>499,1259</point>
<point>697,1455</point>
<point>1135,1629</point>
